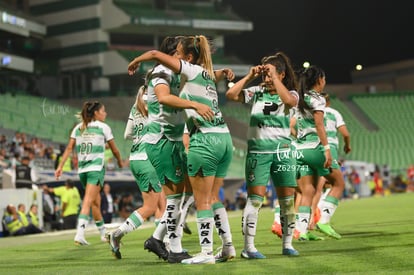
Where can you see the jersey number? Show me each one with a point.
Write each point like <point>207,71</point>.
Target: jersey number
<point>86,148</point>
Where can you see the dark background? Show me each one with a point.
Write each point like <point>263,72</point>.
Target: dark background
<point>333,34</point>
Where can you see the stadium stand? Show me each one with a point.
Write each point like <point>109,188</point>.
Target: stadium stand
<point>392,143</point>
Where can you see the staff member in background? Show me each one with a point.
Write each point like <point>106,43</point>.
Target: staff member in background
<point>107,203</point>
<point>70,202</point>
<point>21,211</point>
<point>32,215</point>
<point>15,226</point>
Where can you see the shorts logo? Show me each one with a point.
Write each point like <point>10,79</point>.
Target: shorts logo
<point>178,172</point>
<point>251,177</point>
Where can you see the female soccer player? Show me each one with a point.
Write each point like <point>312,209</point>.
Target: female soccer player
<point>269,146</point>
<point>210,150</point>
<point>314,153</point>
<point>143,171</point>
<point>90,137</point>
<point>163,143</point>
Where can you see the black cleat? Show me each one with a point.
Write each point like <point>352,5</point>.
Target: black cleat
<point>157,247</point>
<point>174,258</point>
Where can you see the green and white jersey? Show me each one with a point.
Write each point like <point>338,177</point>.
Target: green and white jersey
<point>199,87</point>
<point>333,120</point>
<point>90,145</point>
<point>162,119</point>
<point>269,130</point>
<point>307,136</point>
<point>138,122</point>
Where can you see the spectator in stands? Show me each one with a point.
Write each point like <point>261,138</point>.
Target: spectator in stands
<point>376,177</point>
<point>193,61</point>
<point>15,226</point>
<point>107,203</point>
<point>3,142</point>
<point>410,174</point>
<point>398,185</point>
<point>386,176</point>
<point>314,155</point>
<point>4,159</point>
<point>355,181</point>
<point>89,138</point>
<point>67,167</point>
<point>32,215</point>
<point>269,155</point>
<point>70,202</point>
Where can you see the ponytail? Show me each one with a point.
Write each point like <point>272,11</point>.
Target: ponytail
<point>199,47</point>
<point>88,113</point>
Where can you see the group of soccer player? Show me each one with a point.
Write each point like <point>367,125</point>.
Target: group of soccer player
<point>287,141</point>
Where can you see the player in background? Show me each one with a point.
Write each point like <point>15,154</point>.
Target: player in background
<point>334,124</point>
<point>89,137</point>
<point>314,154</point>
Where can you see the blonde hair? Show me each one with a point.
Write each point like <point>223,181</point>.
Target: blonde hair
<point>199,47</point>
<point>140,104</point>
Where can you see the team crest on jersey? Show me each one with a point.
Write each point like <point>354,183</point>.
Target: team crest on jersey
<point>251,177</point>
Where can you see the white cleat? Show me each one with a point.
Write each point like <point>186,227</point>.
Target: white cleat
<point>225,253</point>
<point>200,258</point>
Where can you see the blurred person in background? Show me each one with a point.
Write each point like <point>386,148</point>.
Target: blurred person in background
<point>15,226</point>
<point>32,215</point>
<point>107,203</point>
<point>70,201</point>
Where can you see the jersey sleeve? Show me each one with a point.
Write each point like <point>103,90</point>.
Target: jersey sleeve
<point>339,119</point>
<point>107,132</point>
<point>73,134</point>
<point>162,75</point>
<point>189,70</point>
<point>249,93</point>
<point>318,104</point>
<point>129,128</point>
<point>296,95</point>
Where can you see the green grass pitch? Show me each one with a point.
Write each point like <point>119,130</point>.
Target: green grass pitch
<point>378,238</point>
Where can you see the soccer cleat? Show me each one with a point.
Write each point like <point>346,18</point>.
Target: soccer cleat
<point>327,229</point>
<point>114,242</point>
<point>277,230</point>
<point>310,237</point>
<point>186,229</point>
<point>317,215</point>
<point>225,253</point>
<point>252,255</point>
<point>200,258</point>
<point>80,241</point>
<point>290,252</point>
<point>157,247</point>
<point>174,258</point>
